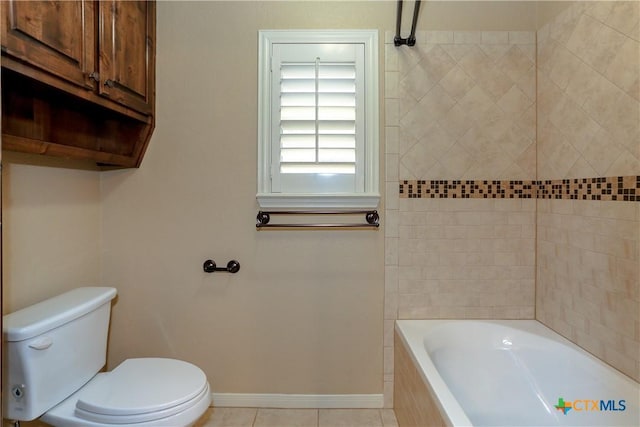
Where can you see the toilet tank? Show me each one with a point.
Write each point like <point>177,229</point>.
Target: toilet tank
<point>52,349</point>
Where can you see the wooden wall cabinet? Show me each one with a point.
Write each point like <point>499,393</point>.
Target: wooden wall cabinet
<point>78,78</point>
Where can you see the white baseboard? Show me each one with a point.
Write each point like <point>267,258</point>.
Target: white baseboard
<point>322,401</point>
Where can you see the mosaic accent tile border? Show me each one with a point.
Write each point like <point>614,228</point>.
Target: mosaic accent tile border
<point>624,188</point>
<point>617,188</point>
<point>471,189</point>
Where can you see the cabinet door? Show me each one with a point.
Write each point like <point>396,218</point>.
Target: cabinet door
<point>127,53</point>
<point>55,36</point>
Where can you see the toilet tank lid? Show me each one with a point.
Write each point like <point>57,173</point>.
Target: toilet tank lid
<point>49,314</point>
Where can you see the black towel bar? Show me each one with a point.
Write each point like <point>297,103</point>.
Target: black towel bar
<point>371,217</point>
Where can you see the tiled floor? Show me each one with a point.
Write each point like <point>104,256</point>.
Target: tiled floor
<point>263,417</point>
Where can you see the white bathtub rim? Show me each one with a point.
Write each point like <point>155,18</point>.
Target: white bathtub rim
<point>413,331</point>
<point>450,409</point>
<point>535,327</point>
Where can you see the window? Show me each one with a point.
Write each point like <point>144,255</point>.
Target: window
<point>318,119</point>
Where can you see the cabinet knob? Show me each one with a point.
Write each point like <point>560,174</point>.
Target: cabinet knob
<point>94,76</point>
<point>109,83</point>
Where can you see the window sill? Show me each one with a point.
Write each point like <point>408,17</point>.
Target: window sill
<point>309,202</point>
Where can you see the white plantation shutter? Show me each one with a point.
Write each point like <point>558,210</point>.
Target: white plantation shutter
<point>318,118</point>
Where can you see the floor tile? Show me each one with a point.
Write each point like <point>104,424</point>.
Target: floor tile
<point>388,418</point>
<point>349,418</point>
<point>229,417</point>
<point>286,418</point>
<point>202,421</point>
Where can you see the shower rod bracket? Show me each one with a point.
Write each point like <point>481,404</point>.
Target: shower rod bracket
<point>411,40</point>
<point>399,41</point>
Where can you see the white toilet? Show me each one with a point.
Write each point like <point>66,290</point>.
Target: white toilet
<point>54,351</point>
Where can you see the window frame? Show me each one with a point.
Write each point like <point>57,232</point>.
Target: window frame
<point>367,199</point>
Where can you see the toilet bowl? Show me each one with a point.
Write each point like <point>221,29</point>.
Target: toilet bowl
<point>55,351</point>
<point>138,392</point>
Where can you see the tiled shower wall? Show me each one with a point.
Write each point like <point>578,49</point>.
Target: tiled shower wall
<point>588,267</point>
<point>588,92</point>
<point>472,140</point>
<point>459,106</point>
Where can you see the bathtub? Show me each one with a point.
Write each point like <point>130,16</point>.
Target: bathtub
<point>507,373</point>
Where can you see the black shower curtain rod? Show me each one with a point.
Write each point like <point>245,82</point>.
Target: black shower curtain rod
<point>411,40</point>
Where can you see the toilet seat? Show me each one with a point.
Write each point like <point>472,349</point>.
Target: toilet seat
<point>141,390</point>
<point>144,391</point>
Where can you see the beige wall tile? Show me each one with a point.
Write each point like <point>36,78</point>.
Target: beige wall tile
<point>495,52</point>
<point>467,37</point>
<point>391,139</point>
<point>388,332</point>
<point>391,84</point>
<point>439,37</point>
<point>600,264</point>
<point>516,61</point>
<point>589,90</point>
<point>388,360</point>
<point>585,36</point>
<point>391,112</point>
<point>494,37</point>
<point>564,64</point>
<point>390,58</point>
<point>606,48</point>
<point>478,263</point>
<point>624,16</point>
<point>522,37</point>
<point>457,83</point>
<point>599,10</point>
<point>515,101</point>
<point>462,81</point>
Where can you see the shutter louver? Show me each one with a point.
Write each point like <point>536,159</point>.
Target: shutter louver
<point>318,118</point>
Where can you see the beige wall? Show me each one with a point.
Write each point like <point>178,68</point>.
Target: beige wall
<point>50,228</point>
<point>304,314</point>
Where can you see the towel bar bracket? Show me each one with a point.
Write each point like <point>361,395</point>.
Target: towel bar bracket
<point>209,266</point>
